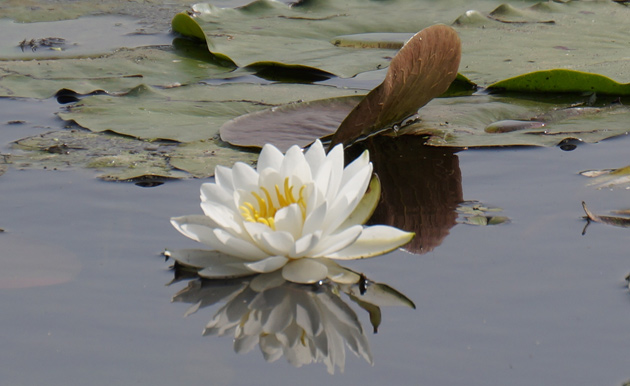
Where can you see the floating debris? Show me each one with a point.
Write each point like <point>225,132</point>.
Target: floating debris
<point>52,43</point>
<point>617,221</point>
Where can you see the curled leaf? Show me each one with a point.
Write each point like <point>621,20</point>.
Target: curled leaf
<point>617,221</point>
<point>422,70</point>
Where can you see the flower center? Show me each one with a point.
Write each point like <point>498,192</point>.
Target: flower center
<point>264,209</point>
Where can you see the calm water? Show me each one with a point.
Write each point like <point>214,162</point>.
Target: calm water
<point>533,302</point>
<point>530,302</point>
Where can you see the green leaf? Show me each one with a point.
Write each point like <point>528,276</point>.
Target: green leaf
<point>587,36</point>
<point>113,73</point>
<point>187,113</point>
<point>123,158</point>
<point>489,120</point>
<point>554,81</point>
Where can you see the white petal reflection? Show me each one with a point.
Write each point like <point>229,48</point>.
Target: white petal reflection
<point>304,323</point>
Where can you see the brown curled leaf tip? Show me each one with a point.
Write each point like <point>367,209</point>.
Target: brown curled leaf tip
<point>422,70</point>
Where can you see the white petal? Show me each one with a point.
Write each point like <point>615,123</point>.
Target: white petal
<point>270,157</point>
<point>295,167</point>
<point>335,242</point>
<point>244,177</point>
<point>289,219</point>
<point>349,197</point>
<point>204,221</point>
<point>224,217</point>
<point>272,242</point>
<point>305,244</point>
<point>305,271</point>
<point>230,245</point>
<point>217,193</point>
<point>269,264</point>
<point>335,156</point>
<point>315,156</point>
<point>375,240</point>
<point>366,206</point>
<point>223,178</point>
<point>315,219</point>
<point>359,163</point>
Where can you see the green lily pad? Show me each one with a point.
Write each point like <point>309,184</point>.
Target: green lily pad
<point>113,73</point>
<point>187,113</point>
<point>554,81</point>
<point>122,158</point>
<point>505,42</point>
<point>306,33</point>
<point>487,120</point>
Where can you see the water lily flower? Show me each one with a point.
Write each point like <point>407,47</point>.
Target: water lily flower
<point>295,213</point>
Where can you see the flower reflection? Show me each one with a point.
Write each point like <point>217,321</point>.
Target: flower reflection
<point>304,323</point>
<point>293,213</point>
<point>421,188</point>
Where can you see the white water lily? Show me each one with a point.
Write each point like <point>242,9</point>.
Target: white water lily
<point>294,213</point>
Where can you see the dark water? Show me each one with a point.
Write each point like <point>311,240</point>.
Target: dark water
<point>529,302</point>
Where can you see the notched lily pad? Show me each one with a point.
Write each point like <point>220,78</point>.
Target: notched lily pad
<point>123,158</point>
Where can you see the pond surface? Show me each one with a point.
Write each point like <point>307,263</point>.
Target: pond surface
<point>530,302</point>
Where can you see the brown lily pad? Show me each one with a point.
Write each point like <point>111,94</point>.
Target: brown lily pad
<point>422,70</point>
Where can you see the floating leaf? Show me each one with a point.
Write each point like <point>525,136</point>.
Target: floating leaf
<point>123,158</point>
<point>475,213</point>
<point>113,73</point>
<point>284,126</point>
<point>585,36</point>
<point>623,222</point>
<point>487,120</point>
<point>554,81</point>
<point>608,178</point>
<point>187,113</point>
<point>422,70</point>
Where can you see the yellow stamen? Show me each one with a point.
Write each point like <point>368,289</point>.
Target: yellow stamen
<point>263,211</point>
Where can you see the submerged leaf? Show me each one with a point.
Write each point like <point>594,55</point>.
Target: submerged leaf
<point>422,70</point>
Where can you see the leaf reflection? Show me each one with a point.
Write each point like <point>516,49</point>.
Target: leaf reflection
<point>304,323</point>
<point>421,188</point>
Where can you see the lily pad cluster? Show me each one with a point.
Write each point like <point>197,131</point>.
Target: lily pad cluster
<point>271,72</point>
